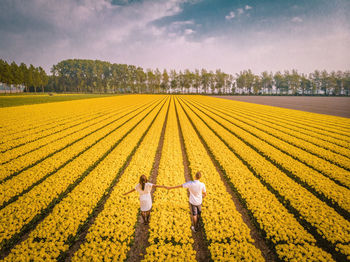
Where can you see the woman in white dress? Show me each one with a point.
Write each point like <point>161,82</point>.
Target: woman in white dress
<point>144,189</point>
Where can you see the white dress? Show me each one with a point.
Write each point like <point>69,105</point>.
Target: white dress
<point>145,196</point>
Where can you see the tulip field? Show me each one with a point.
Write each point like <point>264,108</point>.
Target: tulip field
<point>65,166</point>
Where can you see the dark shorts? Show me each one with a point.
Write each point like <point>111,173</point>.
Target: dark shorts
<point>196,210</point>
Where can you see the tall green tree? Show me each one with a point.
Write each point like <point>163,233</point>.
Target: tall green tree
<point>7,75</point>
<point>346,83</point>
<point>43,79</point>
<point>324,82</point>
<point>173,80</point>
<point>245,81</point>
<point>257,85</point>
<point>205,80</point>
<point>181,81</point>
<point>157,80</point>
<point>219,80</point>
<point>230,84</point>
<point>316,81</point>
<point>212,81</point>
<point>196,80</point>
<point>165,81</point>
<point>280,83</point>
<point>266,82</point>
<point>141,79</point>
<point>305,84</point>
<point>150,81</point>
<point>187,80</point>
<point>132,78</point>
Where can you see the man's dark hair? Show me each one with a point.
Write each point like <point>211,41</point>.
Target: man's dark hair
<point>198,175</point>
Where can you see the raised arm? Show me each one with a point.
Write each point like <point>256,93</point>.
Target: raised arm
<point>160,186</point>
<point>132,190</point>
<point>173,187</point>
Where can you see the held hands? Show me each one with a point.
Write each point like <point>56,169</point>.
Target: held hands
<point>172,187</point>
<point>166,187</point>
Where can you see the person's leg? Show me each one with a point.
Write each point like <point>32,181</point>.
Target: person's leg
<point>144,217</point>
<point>199,212</point>
<point>195,220</point>
<point>193,217</point>
<point>147,216</point>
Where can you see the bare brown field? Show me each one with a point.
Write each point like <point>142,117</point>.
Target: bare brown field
<point>336,106</point>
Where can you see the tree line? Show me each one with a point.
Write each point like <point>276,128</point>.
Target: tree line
<point>94,76</point>
<point>31,78</point>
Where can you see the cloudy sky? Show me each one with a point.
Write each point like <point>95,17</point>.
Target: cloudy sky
<point>177,34</point>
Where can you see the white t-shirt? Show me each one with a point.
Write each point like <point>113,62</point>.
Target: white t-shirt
<point>196,188</point>
<point>145,196</point>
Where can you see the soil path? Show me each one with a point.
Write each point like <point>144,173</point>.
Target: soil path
<point>81,236</point>
<point>259,240</point>
<point>200,244</point>
<point>138,249</point>
<point>336,106</point>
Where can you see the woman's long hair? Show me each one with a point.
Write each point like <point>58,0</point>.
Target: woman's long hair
<point>143,181</point>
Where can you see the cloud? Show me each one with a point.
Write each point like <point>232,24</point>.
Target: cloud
<point>259,51</point>
<point>189,31</point>
<point>181,23</point>
<point>46,32</point>
<point>296,19</point>
<point>240,11</point>
<point>230,16</point>
<point>179,28</point>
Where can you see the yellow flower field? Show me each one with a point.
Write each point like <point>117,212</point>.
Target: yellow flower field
<point>64,167</point>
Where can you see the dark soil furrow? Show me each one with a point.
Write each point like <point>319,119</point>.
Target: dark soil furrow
<point>70,144</point>
<point>68,120</point>
<point>258,236</point>
<point>62,137</point>
<point>265,120</point>
<point>7,245</point>
<point>138,248</point>
<point>319,195</point>
<point>80,237</point>
<point>277,137</point>
<point>200,244</point>
<point>321,242</point>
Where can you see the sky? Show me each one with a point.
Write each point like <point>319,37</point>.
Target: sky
<point>230,35</point>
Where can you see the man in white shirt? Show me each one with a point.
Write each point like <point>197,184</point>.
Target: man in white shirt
<point>197,192</point>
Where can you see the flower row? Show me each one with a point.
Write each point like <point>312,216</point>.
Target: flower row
<point>278,224</point>
<point>31,158</point>
<point>56,134</point>
<point>270,147</point>
<point>26,178</point>
<point>225,230</point>
<point>309,153</point>
<point>51,237</point>
<point>294,132</point>
<point>296,120</point>
<point>111,235</point>
<point>30,120</point>
<point>170,235</point>
<point>328,223</point>
<point>27,207</point>
<point>34,138</point>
